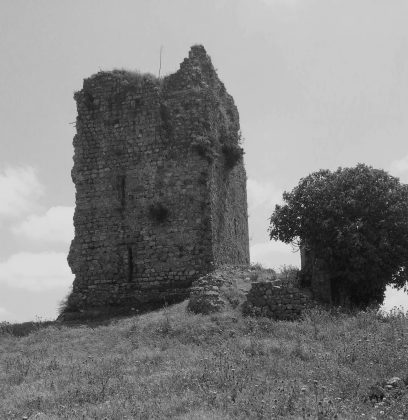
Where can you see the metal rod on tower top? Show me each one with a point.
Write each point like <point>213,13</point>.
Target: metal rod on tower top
<point>161,49</point>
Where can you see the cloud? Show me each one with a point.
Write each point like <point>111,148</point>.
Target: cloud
<point>273,254</point>
<point>53,226</point>
<point>399,167</point>
<point>19,191</point>
<point>262,194</point>
<point>36,271</point>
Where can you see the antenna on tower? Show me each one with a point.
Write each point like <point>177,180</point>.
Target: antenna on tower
<point>161,50</point>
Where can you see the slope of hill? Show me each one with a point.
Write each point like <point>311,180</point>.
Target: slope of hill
<point>174,364</point>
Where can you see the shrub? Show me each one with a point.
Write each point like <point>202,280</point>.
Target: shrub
<point>354,220</point>
<point>203,146</point>
<point>158,212</point>
<point>289,274</point>
<point>67,304</point>
<point>232,154</point>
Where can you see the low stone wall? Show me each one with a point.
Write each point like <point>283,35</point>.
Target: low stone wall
<point>277,301</point>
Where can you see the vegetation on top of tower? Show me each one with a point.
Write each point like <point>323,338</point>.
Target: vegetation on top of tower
<point>133,77</point>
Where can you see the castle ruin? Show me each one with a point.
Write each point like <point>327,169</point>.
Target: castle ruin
<point>160,185</point>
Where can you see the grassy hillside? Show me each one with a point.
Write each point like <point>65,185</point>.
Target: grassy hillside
<point>172,364</point>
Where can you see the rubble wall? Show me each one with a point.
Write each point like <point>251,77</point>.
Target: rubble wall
<point>276,300</point>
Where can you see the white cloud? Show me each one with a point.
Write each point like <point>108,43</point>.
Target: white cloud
<point>19,191</point>
<point>262,194</point>
<point>399,167</point>
<point>53,226</point>
<point>273,254</point>
<point>36,271</point>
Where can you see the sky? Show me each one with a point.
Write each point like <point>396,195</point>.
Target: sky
<point>318,84</point>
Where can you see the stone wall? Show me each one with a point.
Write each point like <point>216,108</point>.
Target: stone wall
<point>158,202</point>
<point>276,300</point>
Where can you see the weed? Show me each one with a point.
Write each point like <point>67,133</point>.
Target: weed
<point>203,146</point>
<point>133,78</point>
<point>290,275</point>
<point>158,212</point>
<point>232,154</point>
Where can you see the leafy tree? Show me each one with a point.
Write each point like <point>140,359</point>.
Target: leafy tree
<point>355,220</point>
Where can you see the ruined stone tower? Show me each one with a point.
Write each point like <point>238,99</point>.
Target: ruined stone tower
<point>160,185</point>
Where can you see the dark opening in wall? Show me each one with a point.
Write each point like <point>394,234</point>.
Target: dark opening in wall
<point>121,186</point>
<point>130,263</point>
<point>166,120</point>
<point>89,100</point>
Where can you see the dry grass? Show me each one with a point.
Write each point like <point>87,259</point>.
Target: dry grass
<point>171,364</point>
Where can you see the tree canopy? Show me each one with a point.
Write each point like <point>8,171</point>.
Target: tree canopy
<point>356,221</point>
